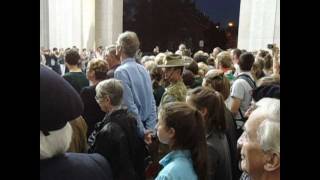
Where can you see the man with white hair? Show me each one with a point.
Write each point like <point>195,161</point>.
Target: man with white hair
<point>138,93</point>
<point>260,141</point>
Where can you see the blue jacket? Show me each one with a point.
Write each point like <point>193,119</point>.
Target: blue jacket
<point>177,166</point>
<point>138,93</point>
<point>75,166</point>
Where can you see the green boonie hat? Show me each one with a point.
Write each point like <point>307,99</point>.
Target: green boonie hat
<point>172,60</point>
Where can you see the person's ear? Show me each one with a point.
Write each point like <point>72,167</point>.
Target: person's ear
<point>172,133</point>
<point>272,161</point>
<point>204,111</point>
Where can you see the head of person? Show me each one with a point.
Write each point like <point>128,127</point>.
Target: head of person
<point>97,70</point>
<point>159,58</point>
<point>59,104</point>
<point>172,67</point>
<point>257,69</point>
<point>182,47</point>
<point>216,80</point>
<point>188,78</point>
<point>72,57</point>
<point>203,69</point>
<point>127,45</point>
<point>235,54</point>
<point>200,56</point>
<point>224,60</point>
<point>193,67</point>
<point>146,59</point>
<point>211,105</point>
<point>216,51</point>
<point>150,65</point>
<point>260,142</point>
<point>109,94</point>
<point>246,61</point>
<point>181,127</point>
<point>111,57</point>
<point>267,62</point>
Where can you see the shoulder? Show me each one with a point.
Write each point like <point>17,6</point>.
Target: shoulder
<point>180,168</point>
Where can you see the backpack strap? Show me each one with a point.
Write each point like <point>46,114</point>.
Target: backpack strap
<point>248,79</point>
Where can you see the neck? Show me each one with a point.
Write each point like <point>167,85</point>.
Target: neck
<point>268,176</point>
<point>123,57</point>
<point>115,64</point>
<point>74,68</point>
<point>114,108</point>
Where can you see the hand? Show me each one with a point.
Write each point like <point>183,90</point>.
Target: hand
<point>148,136</point>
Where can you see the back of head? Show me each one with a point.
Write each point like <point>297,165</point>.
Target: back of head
<point>246,61</point>
<point>99,67</point>
<point>193,67</point>
<point>111,88</point>
<point>237,52</point>
<point>188,77</point>
<point>212,100</point>
<point>72,57</point>
<point>159,58</point>
<point>129,42</point>
<point>267,62</point>
<point>216,80</point>
<point>203,69</point>
<point>189,133</point>
<point>111,50</point>
<point>224,59</point>
<point>200,56</point>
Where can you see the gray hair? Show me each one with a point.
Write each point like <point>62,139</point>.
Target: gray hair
<point>268,133</point>
<point>129,42</point>
<point>57,142</point>
<point>110,50</point>
<point>112,88</point>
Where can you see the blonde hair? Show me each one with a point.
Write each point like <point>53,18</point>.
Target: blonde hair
<point>99,67</point>
<point>203,69</point>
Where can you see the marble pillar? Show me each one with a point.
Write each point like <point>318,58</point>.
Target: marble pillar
<point>44,23</point>
<point>259,24</point>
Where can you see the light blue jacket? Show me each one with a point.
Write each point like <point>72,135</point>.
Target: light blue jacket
<point>138,94</point>
<point>177,165</point>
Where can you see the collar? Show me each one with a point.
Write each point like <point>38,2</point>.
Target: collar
<point>174,155</point>
<point>247,73</point>
<point>128,60</point>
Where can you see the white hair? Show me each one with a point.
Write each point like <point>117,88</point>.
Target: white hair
<point>130,43</point>
<point>57,142</point>
<point>268,133</point>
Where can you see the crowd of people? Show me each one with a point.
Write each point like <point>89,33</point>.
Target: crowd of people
<point>113,113</point>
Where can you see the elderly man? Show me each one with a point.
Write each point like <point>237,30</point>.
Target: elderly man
<point>138,93</point>
<point>112,59</point>
<point>260,141</point>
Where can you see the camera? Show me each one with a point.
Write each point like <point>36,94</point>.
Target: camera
<point>270,46</point>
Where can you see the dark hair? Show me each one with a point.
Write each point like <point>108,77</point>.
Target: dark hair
<point>267,62</point>
<point>257,68</point>
<point>246,61</point>
<point>237,52</point>
<point>193,67</point>
<point>72,57</point>
<point>189,133</point>
<point>202,97</point>
<point>156,76</point>
<point>54,49</point>
<point>188,77</point>
<point>200,57</point>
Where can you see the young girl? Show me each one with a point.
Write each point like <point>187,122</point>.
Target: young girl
<point>181,127</point>
<point>211,105</point>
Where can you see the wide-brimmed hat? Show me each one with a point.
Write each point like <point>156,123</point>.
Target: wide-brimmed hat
<point>172,60</point>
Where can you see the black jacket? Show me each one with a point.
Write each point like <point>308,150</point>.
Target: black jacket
<point>92,112</point>
<point>75,166</point>
<point>116,138</point>
<point>219,160</point>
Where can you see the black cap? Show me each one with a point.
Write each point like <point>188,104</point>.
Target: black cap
<point>272,91</point>
<point>59,101</point>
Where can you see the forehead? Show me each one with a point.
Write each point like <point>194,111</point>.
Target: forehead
<point>253,122</point>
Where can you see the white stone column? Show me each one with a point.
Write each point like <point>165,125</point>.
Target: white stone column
<point>259,24</point>
<point>44,23</point>
<point>108,21</point>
